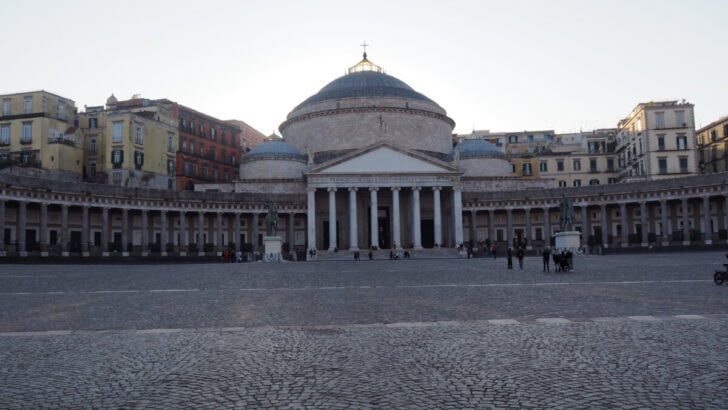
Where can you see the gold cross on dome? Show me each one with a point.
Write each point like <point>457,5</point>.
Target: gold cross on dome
<point>364,45</point>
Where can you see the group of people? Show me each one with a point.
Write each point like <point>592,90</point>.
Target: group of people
<point>520,254</point>
<point>228,256</point>
<point>563,260</point>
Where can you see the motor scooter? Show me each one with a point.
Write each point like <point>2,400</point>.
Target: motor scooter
<point>721,276</point>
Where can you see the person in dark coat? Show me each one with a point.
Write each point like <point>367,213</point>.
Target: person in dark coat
<point>546,256</point>
<point>557,261</point>
<point>520,254</point>
<point>509,258</point>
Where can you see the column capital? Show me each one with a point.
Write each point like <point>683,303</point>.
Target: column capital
<point>373,189</point>
<point>310,189</point>
<point>395,188</point>
<point>331,189</point>
<point>353,189</point>
<point>416,188</point>
<point>436,188</point>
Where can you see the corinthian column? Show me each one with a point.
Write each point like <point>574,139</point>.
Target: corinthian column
<point>332,219</point>
<point>374,215</point>
<point>416,228</point>
<point>353,229</point>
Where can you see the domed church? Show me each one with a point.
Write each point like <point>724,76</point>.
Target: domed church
<point>375,160</point>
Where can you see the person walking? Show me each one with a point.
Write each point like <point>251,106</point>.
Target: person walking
<point>509,258</point>
<point>557,261</point>
<point>546,254</point>
<point>492,250</point>
<point>520,254</point>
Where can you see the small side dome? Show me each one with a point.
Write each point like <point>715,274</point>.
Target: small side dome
<point>477,148</point>
<point>274,148</point>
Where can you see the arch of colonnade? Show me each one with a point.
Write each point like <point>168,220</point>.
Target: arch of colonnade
<point>47,217</point>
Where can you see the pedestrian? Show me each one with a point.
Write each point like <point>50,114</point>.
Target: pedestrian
<point>509,258</point>
<point>570,260</point>
<point>564,259</point>
<point>520,253</point>
<point>226,255</point>
<point>557,261</point>
<point>492,250</point>
<point>546,254</point>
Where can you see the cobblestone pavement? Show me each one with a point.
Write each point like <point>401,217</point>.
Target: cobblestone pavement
<point>636,331</point>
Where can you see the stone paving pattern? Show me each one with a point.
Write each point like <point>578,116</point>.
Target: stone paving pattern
<point>637,331</point>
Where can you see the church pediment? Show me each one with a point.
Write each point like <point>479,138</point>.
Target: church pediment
<point>384,159</point>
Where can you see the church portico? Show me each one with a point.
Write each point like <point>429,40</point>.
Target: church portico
<point>376,216</point>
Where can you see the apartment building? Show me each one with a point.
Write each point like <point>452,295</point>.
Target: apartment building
<point>712,147</point>
<point>38,135</point>
<point>209,149</point>
<point>131,143</point>
<point>656,141</point>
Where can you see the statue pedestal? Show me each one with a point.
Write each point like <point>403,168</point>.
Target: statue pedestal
<point>273,247</point>
<point>568,240</point>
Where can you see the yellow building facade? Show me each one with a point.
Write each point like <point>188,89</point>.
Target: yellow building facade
<point>38,133</point>
<point>131,143</point>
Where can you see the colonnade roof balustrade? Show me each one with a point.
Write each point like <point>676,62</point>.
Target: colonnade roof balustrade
<point>649,190</point>
<point>116,192</point>
<point>699,185</point>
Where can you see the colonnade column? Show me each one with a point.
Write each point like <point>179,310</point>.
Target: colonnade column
<point>353,229</point>
<point>22,221</point>
<point>64,230</point>
<point>643,223</point>
<point>396,234</point>
<point>104,231</point>
<point>457,196</point>
<point>43,229</point>
<point>473,223</point>
<point>290,234</point>
<point>218,225</point>
<point>145,232</point>
<point>2,227</point>
<point>663,216</point>
<point>254,239</point>
<point>238,245</point>
<point>332,219</point>
<point>373,216</point>
<point>416,228</point>
<point>200,232</point>
<point>509,226</point>
<point>84,231</point>
<point>491,226</point>
<point>438,215</point>
<point>183,244</point>
<point>605,228</point>
<point>585,228</point>
<point>547,226</point>
<point>706,220</point>
<point>163,233</point>
<point>124,231</point>
<point>311,218</point>
<point>725,214</point>
<point>623,222</point>
<point>528,236</point>
<point>686,222</point>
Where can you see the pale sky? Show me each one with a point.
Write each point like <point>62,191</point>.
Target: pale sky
<point>497,65</point>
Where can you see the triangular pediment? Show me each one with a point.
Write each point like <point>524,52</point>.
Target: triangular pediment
<point>384,159</point>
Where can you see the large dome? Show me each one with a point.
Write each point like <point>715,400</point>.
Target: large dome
<point>363,107</point>
<point>364,84</point>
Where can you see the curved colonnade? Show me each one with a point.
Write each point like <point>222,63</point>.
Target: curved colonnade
<point>43,218</point>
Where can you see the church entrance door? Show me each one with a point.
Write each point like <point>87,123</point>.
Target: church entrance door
<point>427,229</point>
<point>384,234</point>
<point>326,235</point>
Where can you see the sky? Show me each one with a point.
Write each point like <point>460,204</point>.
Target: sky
<point>492,65</point>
